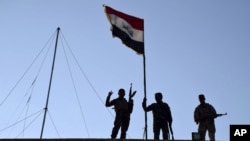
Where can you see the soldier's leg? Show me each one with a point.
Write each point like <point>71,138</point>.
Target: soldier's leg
<point>165,132</point>
<point>156,129</point>
<point>202,131</point>
<point>124,127</point>
<point>211,132</point>
<point>117,124</point>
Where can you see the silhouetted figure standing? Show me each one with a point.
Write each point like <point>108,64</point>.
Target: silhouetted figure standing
<point>123,109</point>
<point>162,117</point>
<point>204,115</point>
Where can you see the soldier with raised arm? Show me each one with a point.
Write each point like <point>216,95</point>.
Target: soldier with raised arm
<point>123,109</point>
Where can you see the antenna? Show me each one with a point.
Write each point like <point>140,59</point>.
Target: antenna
<point>51,76</point>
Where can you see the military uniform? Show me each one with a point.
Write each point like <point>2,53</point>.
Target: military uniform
<point>161,118</point>
<point>123,109</point>
<point>204,115</point>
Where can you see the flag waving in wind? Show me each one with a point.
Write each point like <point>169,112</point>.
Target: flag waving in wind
<point>128,28</point>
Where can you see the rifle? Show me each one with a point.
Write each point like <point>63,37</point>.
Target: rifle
<point>210,117</point>
<point>171,131</point>
<point>219,115</point>
<point>131,95</point>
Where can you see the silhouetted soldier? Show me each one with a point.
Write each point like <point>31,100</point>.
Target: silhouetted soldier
<point>204,115</point>
<point>123,109</point>
<point>162,117</point>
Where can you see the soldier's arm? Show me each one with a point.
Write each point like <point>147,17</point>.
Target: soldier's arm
<point>170,119</point>
<point>168,114</point>
<point>108,103</point>
<point>214,112</point>
<point>131,101</point>
<point>144,106</point>
<point>130,105</point>
<point>196,116</point>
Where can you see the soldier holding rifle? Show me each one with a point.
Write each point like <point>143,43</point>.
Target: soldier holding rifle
<point>123,109</point>
<point>204,115</point>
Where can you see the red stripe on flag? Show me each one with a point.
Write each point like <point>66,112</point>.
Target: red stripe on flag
<point>133,21</point>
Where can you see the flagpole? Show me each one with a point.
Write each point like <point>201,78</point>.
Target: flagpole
<point>145,96</point>
<point>145,88</point>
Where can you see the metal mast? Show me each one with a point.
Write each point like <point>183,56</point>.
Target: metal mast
<point>51,75</point>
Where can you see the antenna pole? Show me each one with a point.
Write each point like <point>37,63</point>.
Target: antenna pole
<point>52,70</point>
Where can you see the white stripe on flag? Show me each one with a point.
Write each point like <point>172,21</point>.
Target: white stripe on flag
<point>123,25</point>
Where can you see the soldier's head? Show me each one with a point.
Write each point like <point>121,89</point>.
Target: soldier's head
<point>158,97</point>
<point>121,93</point>
<point>202,98</point>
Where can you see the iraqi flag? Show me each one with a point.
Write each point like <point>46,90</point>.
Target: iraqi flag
<point>128,28</point>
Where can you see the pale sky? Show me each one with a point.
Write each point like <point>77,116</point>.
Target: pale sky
<point>191,47</point>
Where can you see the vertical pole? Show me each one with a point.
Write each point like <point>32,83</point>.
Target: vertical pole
<point>52,70</point>
<point>145,88</point>
<point>145,96</point>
